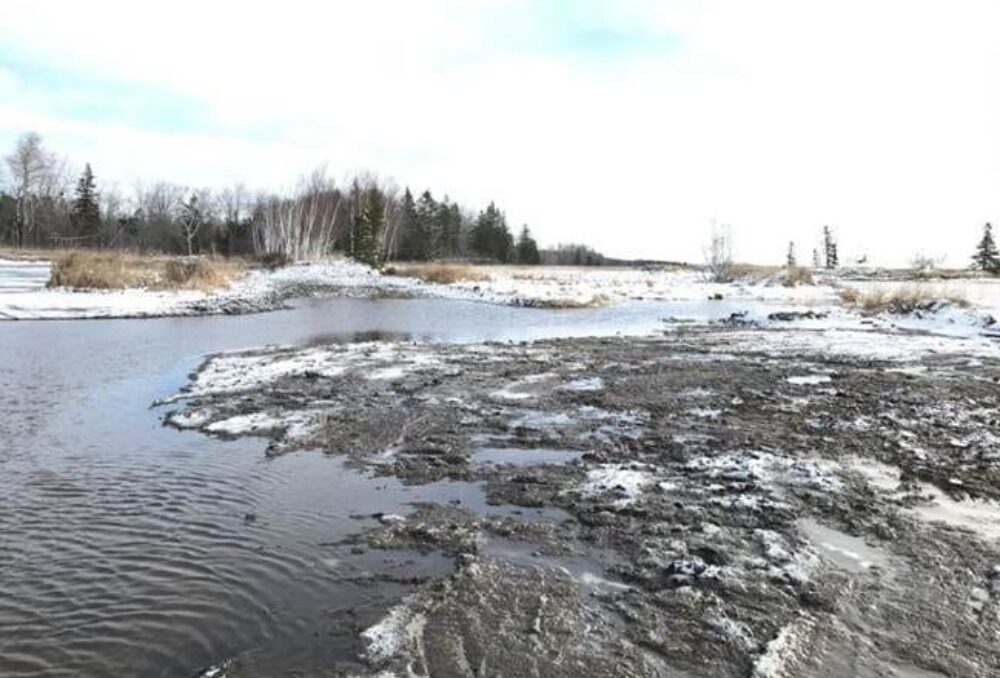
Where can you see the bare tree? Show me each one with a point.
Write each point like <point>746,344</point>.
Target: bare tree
<point>191,219</point>
<point>719,254</point>
<point>301,226</point>
<point>35,174</point>
<point>156,206</point>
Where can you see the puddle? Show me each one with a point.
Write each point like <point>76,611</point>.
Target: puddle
<point>472,497</point>
<point>843,550</point>
<point>518,456</point>
<point>585,570</point>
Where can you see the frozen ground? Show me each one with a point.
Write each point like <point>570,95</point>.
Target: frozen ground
<point>742,501</point>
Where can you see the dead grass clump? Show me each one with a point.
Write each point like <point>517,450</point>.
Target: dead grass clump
<point>740,271</point>
<point>444,274</point>
<point>93,270</point>
<point>797,275</point>
<point>901,299</point>
<point>200,274</point>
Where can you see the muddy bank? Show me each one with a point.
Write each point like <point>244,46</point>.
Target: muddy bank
<point>717,501</point>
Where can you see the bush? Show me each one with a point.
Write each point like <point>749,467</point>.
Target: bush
<point>274,260</point>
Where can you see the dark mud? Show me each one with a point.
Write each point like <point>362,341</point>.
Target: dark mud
<point>731,511</point>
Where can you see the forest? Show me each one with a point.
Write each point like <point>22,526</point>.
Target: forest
<point>44,204</point>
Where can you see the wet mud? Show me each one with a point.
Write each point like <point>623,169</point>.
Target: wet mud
<point>711,507</point>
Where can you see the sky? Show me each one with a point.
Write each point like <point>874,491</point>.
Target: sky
<point>629,125</point>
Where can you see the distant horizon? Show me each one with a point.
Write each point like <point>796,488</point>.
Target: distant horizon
<point>629,127</point>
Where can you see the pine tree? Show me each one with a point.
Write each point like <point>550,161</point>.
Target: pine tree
<point>816,261</point>
<point>986,257</point>
<point>368,227</point>
<point>85,214</point>
<point>790,260</point>
<point>830,247</point>
<point>410,238</point>
<point>428,227</point>
<point>527,248</point>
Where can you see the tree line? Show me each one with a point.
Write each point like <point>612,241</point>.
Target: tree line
<point>367,218</point>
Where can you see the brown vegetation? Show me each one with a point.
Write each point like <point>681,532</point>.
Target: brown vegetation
<point>797,275</point>
<point>114,271</point>
<point>900,299</point>
<point>444,274</point>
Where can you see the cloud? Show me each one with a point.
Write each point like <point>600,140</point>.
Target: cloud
<point>629,125</point>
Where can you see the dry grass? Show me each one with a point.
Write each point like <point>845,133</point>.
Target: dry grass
<point>444,274</point>
<point>904,299</point>
<point>738,271</point>
<point>797,275</point>
<point>116,271</point>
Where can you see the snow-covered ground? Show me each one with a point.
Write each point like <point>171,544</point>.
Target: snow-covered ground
<point>23,294</point>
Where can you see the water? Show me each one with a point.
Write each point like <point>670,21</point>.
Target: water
<point>23,276</point>
<point>127,548</point>
<point>843,550</point>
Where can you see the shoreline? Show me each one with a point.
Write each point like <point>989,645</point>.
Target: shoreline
<point>730,487</point>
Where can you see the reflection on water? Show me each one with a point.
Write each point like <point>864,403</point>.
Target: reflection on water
<point>130,549</point>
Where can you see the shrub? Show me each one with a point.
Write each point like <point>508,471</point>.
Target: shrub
<point>274,260</point>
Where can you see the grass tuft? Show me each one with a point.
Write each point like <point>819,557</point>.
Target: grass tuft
<point>797,275</point>
<point>900,299</point>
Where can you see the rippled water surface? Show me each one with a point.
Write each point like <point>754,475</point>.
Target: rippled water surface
<point>127,548</point>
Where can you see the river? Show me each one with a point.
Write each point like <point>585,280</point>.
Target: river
<point>128,548</point>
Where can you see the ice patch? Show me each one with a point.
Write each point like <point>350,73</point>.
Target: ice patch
<point>590,384</point>
<point>245,423</point>
<point>624,483</point>
<point>788,644</point>
<point>809,379</point>
<point>977,515</point>
<point>845,551</point>
<point>397,634</point>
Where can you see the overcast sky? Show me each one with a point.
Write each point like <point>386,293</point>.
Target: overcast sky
<point>628,125</point>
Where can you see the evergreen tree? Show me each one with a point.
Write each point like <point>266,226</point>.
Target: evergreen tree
<point>429,227</point>
<point>449,219</point>
<point>491,239</point>
<point>85,214</point>
<point>527,248</point>
<point>830,247</point>
<point>986,257</point>
<point>410,236</point>
<point>816,262</point>
<point>368,227</point>
<point>790,261</point>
